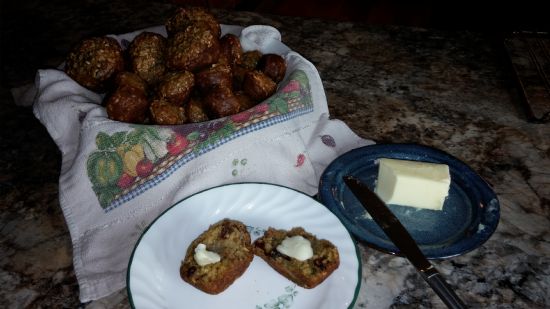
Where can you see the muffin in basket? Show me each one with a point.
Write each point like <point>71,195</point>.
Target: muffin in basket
<point>219,256</point>
<point>298,255</point>
<point>94,62</point>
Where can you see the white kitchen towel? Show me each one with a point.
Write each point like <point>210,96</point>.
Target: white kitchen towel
<point>117,177</point>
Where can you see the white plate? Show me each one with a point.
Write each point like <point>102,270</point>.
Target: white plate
<point>153,279</point>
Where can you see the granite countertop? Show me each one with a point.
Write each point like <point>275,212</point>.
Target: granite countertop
<point>446,89</point>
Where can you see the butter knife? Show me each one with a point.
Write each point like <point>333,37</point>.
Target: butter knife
<point>397,233</point>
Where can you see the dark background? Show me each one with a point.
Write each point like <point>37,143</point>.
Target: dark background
<point>25,25</point>
<point>472,15</point>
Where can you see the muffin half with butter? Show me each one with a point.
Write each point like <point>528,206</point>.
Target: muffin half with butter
<point>217,257</point>
<point>298,255</point>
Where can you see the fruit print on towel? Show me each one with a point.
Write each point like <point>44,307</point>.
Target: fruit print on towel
<point>126,164</point>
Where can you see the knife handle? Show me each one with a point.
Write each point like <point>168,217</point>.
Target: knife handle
<point>442,288</point>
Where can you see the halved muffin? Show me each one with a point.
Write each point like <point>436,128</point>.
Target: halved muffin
<point>217,257</point>
<point>289,253</point>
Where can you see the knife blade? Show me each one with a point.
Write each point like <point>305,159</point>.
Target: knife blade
<point>397,233</point>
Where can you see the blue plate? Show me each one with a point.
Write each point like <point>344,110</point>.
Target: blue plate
<point>469,217</point>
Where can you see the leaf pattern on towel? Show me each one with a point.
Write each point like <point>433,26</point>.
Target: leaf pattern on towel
<point>126,164</point>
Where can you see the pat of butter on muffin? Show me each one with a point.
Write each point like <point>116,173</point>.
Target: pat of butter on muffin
<point>413,183</point>
<point>297,247</point>
<point>204,257</point>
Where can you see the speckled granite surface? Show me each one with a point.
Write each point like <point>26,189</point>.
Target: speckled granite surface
<point>449,90</point>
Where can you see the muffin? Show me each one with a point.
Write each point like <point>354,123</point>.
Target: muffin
<point>146,53</point>
<point>216,76</point>
<point>194,110</point>
<point>127,104</point>
<point>307,273</point>
<point>231,49</point>
<point>273,66</point>
<point>245,102</point>
<point>187,17</point>
<point>229,243</point>
<point>94,62</point>
<point>130,79</point>
<point>192,49</point>
<point>221,102</point>
<point>164,113</point>
<point>250,59</point>
<point>238,74</point>
<point>176,87</point>
<point>258,86</point>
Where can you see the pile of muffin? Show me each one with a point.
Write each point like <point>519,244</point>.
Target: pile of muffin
<point>192,75</point>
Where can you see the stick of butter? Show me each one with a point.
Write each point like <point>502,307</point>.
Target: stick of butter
<point>413,183</point>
